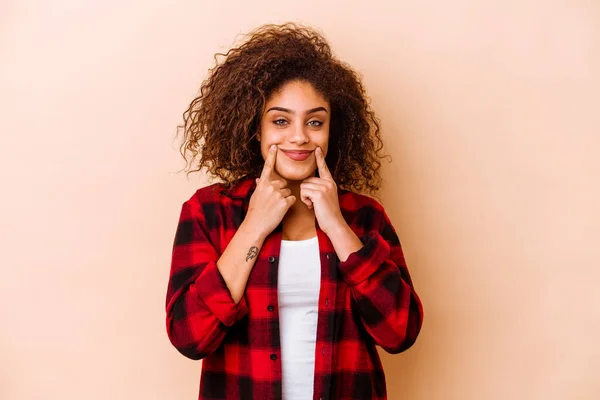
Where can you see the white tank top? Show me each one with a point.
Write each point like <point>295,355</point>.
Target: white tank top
<point>299,282</point>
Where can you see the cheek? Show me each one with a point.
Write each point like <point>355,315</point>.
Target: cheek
<point>269,135</point>
<point>268,138</point>
<point>323,141</point>
<point>265,140</point>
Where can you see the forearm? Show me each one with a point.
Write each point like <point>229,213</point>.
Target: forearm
<point>236,262</point>
<point>345,241</point>
<point>390,309</point>
<point>382,289</point>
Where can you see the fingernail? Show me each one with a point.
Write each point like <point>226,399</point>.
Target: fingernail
<point>272,147</point>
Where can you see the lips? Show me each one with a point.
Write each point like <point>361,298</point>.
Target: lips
<point>297,155</point>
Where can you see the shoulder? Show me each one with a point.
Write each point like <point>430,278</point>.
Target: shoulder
<point>212,193</point>
<point>361,210</point>
<point>206,202</point>
<point>354,201</point>
<point>217,198</point>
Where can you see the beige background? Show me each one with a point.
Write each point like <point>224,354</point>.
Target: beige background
<point>490,110</point>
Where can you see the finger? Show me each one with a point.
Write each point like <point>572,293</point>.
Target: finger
<point>279,183</point>
<point>269,163</point>
<point>312,194</point>
<point>316,186</point>
<point>306,200</point>
<point>286,192</point>
<point>309,195</point>
<point>314,179</point>
<point>321,184</point>
<point>322,165</point>
<point>290,200</point>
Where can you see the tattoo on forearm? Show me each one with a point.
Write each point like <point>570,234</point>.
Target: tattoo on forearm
<point>253,252</point>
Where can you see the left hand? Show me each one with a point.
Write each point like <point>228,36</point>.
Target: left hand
<point>321,194</point>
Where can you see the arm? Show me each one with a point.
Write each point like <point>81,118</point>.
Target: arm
<point>205,291</point>
<point>373,268</point>
<point>239,257</point>
<point>381,286</point>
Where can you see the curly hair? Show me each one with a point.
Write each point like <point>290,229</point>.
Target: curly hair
<point>222,122</point>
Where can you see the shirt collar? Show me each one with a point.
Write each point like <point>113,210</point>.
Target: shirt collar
<point>242,189</point>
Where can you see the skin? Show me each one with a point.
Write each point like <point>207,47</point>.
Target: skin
<point>295,118</point>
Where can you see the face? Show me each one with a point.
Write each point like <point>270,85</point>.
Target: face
<point>296,119</point>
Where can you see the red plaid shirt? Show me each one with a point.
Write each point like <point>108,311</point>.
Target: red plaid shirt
<point>365,301</point>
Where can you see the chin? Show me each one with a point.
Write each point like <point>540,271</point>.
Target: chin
<point>297,175</point>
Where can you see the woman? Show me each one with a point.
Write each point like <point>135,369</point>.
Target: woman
<point>284,278</point>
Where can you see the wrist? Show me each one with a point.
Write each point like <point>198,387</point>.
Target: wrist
<point>247,228</point>
<point>340,227</point>
<point>344,240</point>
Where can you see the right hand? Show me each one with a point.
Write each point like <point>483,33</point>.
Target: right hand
<point>271,199</point>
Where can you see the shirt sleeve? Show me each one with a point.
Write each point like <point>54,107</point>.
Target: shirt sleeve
<point>199,306</point>
<point>382,289</point>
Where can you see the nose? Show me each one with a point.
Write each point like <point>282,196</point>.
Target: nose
<point>298,134</point>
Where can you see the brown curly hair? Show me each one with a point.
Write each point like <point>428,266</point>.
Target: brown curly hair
<point>222,122</point>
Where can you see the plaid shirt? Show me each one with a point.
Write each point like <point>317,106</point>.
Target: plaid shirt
<point>364,301</point>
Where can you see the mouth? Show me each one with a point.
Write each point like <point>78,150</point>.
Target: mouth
<point>297,155</point>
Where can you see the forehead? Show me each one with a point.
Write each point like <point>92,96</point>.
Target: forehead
<point>296,94</point>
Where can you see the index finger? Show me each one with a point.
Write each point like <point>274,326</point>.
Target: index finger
<point>322,165</point>
<point>269,163</point>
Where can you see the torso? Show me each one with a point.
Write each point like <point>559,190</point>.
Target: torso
<point>298,287</point>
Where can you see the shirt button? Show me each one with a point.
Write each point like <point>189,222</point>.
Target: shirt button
<point>270,308</point>
<point>271,259</point>
<point>328,256</point>
<point>273,357</point>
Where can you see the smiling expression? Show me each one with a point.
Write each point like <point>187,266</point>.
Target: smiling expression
<point>296,119</point>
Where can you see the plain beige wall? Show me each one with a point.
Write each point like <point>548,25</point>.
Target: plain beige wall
<point>490,110</point>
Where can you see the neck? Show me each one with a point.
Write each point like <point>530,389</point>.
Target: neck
<point>299,222</point>
<point>299,208</point>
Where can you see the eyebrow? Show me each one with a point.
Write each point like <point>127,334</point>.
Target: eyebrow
<point>287,110</point>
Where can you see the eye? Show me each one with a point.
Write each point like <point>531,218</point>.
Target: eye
<point>280,121</point>
<point>315,123</point>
